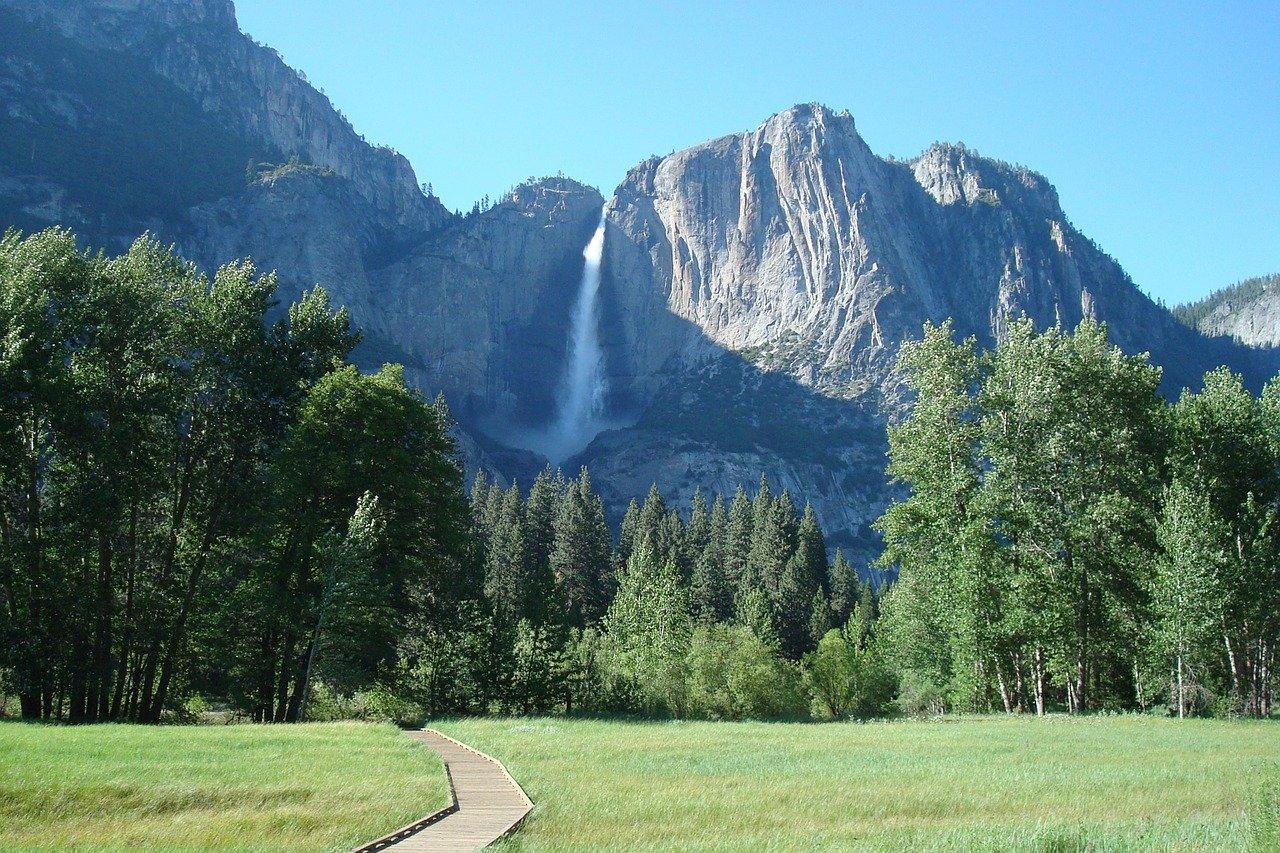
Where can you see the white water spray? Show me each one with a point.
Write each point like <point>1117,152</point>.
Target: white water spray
<point>580,412</point>
<point>584,377</point>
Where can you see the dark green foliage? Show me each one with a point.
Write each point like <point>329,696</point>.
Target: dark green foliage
<point>581,555</point>
<point>197,501</point>
<point>193,499</point>
<point>738,539</point>
<point>545,497</point>
<point>712,595</point>
<point>844,589</point>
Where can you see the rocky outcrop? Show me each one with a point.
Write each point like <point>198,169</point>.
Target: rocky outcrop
<point>1248,312</point>
<point>759,286</point>
<point>797,247</point>
<point>477,310</point>
<point>197,46</point>
<point>481,307</point>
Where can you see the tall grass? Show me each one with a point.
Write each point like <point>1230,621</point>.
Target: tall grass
<point>1057,784</point>
<point>323,786</point>
<point>1264,811</point>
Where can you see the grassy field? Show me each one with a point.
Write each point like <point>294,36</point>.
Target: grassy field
<point>321,786</point>
<point>1119,783</point>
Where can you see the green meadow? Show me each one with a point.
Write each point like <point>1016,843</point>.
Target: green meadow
<point>1094,783</point>
<point>964,783</point>
<point>315,786</point>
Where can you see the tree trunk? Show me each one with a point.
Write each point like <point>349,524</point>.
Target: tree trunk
<point>1182,703</point>
<point>1038,669</point>
<point>102,639</point>
<point>1231,663</point>
<point>1082,644</point>
<point>126,645</point>
<point>177,636</point>
<point>1137,686</point>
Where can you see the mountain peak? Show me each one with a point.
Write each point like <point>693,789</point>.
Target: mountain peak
<point>814,115</point>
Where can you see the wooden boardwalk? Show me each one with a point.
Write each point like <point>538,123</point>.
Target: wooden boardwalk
<point>486,803</point>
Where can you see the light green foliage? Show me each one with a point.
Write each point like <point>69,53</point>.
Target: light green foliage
<point>1186,594</point>
<point>647,633</point>
<point>847,677</point>
<point>734,675</point>
<point>1025,544</point>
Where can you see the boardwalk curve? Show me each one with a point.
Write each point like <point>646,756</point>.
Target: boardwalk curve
<point>486,803</point>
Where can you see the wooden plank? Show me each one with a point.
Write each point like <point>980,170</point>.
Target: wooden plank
<point>486,803</point>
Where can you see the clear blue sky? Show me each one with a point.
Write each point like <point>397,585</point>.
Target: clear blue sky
<point>1159,124</point>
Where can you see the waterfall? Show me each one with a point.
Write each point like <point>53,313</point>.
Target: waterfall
<point>583,386</point>
<point>579,415</point>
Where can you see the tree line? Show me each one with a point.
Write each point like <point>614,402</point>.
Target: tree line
<point>1071,539</point>
<point>195,499</point>
<point>717,612</point>
<point>202,499</point>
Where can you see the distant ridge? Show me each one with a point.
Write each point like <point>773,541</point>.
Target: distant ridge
<point>1248,311</point>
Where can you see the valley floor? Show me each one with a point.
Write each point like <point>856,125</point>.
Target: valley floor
<point>1101,783</point>
<point>316,786</point>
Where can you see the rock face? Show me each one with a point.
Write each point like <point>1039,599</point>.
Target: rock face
<point>197,46</point>
<point>755,289</point>
<point>797,247</point>
<point>759,287</point>
<point>476,309</point>
<point>1248,311</point>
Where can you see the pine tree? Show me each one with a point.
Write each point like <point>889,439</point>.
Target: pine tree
<point>819,618</point>
<point>698,532</point>
<point>580,556</point>
<point>653,516</point>
<point>812,546</point>
<point>599,546</point>
<point>738,539</point>
<point>542,508</point>
<point>767,551</point>
<point>710,593</point>
<point>507,561</point>
<point>479,495</point>
<point>660,528</point>
<point>844,589</point>
<point>791,596</point>
<point>673,547</point>
<point>628,534</point>
<point>479,505</point>
<point>773,533</point>
<point>864,616</point>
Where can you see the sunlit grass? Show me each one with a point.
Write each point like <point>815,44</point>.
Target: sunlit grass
<point>321,786</point>
<point>1104,783</point>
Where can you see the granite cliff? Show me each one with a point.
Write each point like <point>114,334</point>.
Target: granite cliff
<point>1247,311</point>
<point>755,288</point>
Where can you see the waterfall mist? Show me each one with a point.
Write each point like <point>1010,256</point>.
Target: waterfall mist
<point>579,415</point>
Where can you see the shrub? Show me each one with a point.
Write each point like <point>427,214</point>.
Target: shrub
<point>919,696</point>
<point>734,675</point>
<point>848,679</point>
